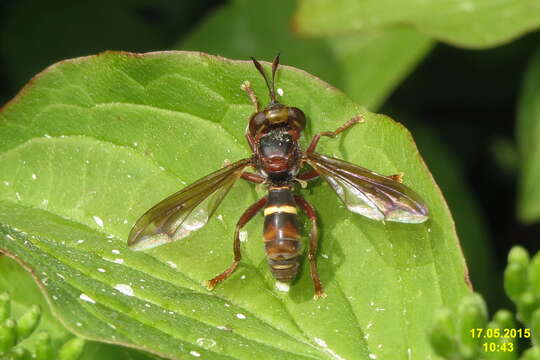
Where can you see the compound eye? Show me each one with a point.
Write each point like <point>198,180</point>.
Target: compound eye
<point>297,118</point>
<point>257,123</point>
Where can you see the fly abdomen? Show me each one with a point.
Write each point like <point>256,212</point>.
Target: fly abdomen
<point>281,235</point>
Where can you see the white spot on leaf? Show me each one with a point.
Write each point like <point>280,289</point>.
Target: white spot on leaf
<point>125,289</point>
<point>87,298</point>
<point>206,343</point>
<point>324,345</point>
<point>98,220</point>
<point>321,342</point>
<point>281,286</point>
<point>243,236</point>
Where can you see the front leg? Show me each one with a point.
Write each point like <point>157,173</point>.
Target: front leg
<point>246,86</point>
<point>355,120</point>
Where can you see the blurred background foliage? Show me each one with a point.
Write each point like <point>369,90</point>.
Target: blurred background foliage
<point>461,104</point>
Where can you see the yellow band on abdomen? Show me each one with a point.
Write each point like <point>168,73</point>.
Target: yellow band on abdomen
<point>280,209</point>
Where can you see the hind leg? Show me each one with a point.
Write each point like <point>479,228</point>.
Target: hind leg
<point>312,253</point>
<point>244,219</point>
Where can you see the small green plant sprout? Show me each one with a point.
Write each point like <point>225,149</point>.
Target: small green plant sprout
<point>14,332</point>
<point>462,337</point>
<point>469,335</point>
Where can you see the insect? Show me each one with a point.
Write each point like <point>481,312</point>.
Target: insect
<point>273,134</point>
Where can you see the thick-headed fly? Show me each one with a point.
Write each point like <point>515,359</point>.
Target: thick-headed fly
<point>272,134</point>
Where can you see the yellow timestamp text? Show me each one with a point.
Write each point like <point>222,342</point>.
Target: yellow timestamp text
<point>496,347</point>
<point>497,333</point>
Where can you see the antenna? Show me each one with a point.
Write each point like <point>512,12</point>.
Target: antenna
<point>275,64</point>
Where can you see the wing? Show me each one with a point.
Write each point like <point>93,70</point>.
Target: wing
<point>369,194</point>
<point>185,211</point>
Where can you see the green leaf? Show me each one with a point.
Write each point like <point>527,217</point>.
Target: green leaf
<point>60,29</point>
<point>366,66</point>
<point>93,142</point>
<point>465,23</point>
<point>470,222</point>
<point>528,138</point>
<point>37,33</point>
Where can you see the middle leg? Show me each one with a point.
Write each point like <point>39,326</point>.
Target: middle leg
<point>308,175</point>
<point>244,219</point>
<point>312,253</point>
<point>252,177</point>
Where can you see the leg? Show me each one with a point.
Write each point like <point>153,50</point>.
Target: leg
<point>397,177</point>
<point>251,177</point>
<point>310,212</point>
<point>250,140</point>
<point>355,120</point>
<point>246,216</point>
<point>304,177</point>
<point>308,175</point>
<point>246,86</point>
